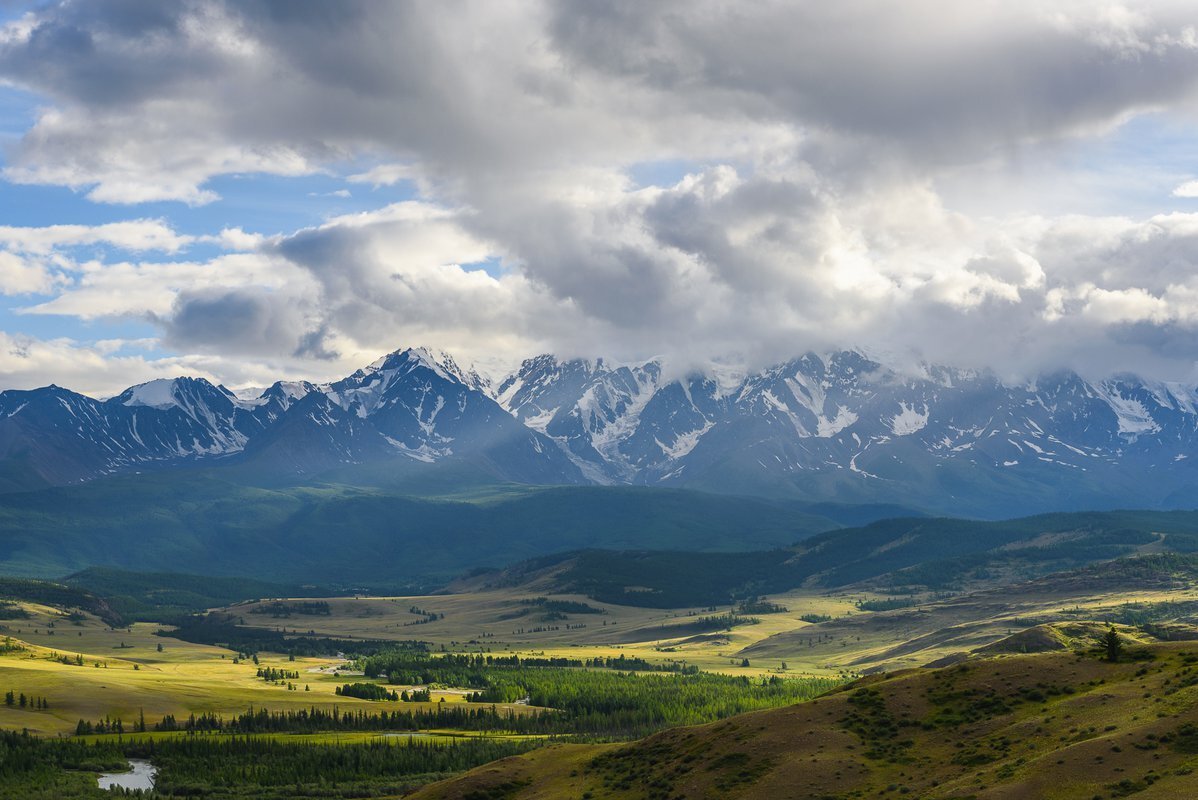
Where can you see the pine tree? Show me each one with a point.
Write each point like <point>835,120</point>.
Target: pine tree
<point>1112,644</point>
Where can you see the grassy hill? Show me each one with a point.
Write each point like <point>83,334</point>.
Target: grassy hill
<point>1057,725</point>
<point>1153,595</point>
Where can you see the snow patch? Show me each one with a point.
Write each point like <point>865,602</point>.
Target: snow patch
<point>159,393</point>
<point>539,422</point>
<point>685,442</point>
<point>830,427</point>
<point>908,420</point>
<point>1134,419</point>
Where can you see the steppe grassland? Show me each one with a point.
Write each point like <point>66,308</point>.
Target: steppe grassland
<point>135,678</point>
<point>499,623</point>
<point>851,641</point>
<point>187,678</point>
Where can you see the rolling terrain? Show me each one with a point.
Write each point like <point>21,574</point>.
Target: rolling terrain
<point>992,690</point>
<point>906,554</point>
<point>1057,725</point>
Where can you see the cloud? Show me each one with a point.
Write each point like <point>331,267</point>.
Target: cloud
<point>384,175</point>
<point>134,235</point>
<point>105,368</point>
<point>147,290</point>
<point>20,276</point>
<point>249,320</point>
<point>25,361</point>
<point>813,138</point>
<point>1187,189</point>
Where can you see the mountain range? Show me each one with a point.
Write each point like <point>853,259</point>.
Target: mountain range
<point>839,427</point>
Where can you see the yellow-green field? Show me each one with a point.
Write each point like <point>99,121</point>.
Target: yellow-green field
<point>852,641</point>
<point>124,675</point>
<point>487,621</point>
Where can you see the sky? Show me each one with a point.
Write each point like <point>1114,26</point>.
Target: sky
<point>254,191</point>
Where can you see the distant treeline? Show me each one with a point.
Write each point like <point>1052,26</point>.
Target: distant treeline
<point>607,699</point>
<point>309,608</point>
<point>367,691</point>
<point>412,668</point>
<point>56,594</point>
<point>217,628</point>
<point>579,702</point>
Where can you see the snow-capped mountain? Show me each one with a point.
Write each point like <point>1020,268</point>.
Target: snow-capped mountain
<point>838,427</point>
<point>56,436</point>
<point>408,406</point>
<point>843,427</point>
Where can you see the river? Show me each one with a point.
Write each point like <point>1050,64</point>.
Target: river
<point>140,776</point>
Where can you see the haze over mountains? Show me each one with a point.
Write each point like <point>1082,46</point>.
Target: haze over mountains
<point>840,427</point>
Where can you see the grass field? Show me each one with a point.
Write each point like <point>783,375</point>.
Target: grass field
<point>851,641</point>
<point>499,622</point>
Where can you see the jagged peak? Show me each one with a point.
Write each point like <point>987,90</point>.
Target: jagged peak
<point>444,365</point>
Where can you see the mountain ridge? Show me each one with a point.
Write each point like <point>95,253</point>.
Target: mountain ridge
<point>840,427</point>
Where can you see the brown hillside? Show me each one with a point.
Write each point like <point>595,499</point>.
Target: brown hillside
<point>1053,725</point>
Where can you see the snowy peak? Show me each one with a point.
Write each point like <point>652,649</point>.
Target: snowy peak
<point>182,393</point>
<point>440,363</point>
<point>288,391</point>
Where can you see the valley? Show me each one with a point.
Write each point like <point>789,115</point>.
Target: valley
<point>528,645</point>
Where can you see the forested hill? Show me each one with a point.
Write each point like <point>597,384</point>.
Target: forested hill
<point>340,535</point>
<point>935,554</point>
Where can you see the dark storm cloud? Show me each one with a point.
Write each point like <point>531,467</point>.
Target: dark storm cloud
<point>939,79</point>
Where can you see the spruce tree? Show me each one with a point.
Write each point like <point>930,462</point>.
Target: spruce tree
<point>1112,644</point>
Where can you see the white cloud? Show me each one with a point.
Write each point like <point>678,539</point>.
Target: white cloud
<point>385,175</point>
<point>1187,189</point>
<point>106,368</point>
<point>20,276</point>
<point>134,235</point>
<point>147,290</point>
<point>238,239</point>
